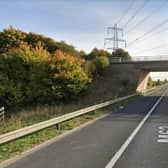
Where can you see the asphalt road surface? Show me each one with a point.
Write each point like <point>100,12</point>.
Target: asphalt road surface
<point>96,145</point>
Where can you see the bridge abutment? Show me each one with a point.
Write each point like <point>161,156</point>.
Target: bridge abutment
<point>137,70</point>
<point>137,78</point>
<point>143,80</point>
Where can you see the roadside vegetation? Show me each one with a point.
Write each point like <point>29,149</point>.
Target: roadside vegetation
<point>152,83</point>
<point>41,78</point>
<point>20,145</point>
<point>37,71</point>
<point>121,54</point>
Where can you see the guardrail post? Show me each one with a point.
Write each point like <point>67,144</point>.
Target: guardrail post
<point>92,113</point>
<point>2,114</point>
<point>58,126</point>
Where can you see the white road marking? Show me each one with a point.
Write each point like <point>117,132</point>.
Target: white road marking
<point>119,153</point>
<point>163,134</point>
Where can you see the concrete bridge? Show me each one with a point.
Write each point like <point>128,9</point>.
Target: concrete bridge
<point>137,70</point>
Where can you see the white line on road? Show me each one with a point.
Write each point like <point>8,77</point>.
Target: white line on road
<point>163,134</point>
<point>133,134</point>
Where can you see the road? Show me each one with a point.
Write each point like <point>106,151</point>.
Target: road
<point>96,145</point>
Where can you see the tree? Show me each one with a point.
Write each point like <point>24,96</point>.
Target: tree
<point>165,81</point>
<point>66,48</point>
<point>82,54</point>
<point>10,38</point>
<point>24,76</point>
<point>150,82</point>
<point>49,44</point>
<point>101,64</point>
<point>37,69</point>
<point>158,82</point>
<point>68,75</point>
<point>97,53</point>
<point>33,75</point>
<point>120,53</point>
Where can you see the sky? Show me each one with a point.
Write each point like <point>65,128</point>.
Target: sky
<point>83,23</point>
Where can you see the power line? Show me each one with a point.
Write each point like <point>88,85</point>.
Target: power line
<point>148,16</point>
<point>126,11</point>
<point>153,48</point>
<point>136,12</point>
<point>154,34</point>
<point>148,32</point>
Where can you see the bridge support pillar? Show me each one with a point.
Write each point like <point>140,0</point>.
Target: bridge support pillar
<point>143,80</point>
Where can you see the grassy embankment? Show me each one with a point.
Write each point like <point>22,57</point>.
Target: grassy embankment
<point>102,89</point>
<point>20,145</point>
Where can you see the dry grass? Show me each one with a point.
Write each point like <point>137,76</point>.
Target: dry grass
<point>16,147</point>
<point>102,89</point>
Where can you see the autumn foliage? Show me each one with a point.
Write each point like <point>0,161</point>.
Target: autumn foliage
<point>33,75</point>
<point>36,69</point>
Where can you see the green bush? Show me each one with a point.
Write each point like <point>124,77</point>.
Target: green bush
<point>120,53</point>
<point>97,53</point>
<point>32,75</point>
<point>23,72</point>
<point>68,75</point>
<point>101,64</point>
<point>37,69</point>
<point>10,38</point>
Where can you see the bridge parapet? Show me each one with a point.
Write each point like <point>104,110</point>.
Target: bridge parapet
<point>137,69</point>
<point>139,59</point>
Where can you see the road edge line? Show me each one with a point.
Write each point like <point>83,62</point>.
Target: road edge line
<point>119,153</point>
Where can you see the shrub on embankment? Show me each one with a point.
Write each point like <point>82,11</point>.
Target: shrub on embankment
<point>35,69</point>
<point>33,75</point>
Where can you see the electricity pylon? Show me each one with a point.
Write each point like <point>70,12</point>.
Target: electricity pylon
<point>113,36</point>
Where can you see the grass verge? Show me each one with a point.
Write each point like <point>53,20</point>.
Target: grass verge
<point>20,145</point>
